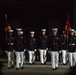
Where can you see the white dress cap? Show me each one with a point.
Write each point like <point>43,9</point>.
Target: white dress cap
<point>32,32</point>
<point>18,29</point>
<point>54,29</point>
<point>72,30</point>
<point>43,30</point>
<point>10,31</point>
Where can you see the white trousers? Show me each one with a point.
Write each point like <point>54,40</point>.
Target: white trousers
<point>23,57</point>
<point>10,56</point>
<point>19,58</point>
<point>43,55</point>
<point>54,59</point>
<point>72,58</point>
<point>64,54</point>
<point>31,56</point>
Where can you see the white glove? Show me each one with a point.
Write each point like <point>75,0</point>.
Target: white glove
<point>59,51</point>
<point>48,51</point>
<point>24,50</point>
<point>67,50</point>
<point>46,48</point>
<point>13,50</point>
<point>5,51</point>
<point>35,50</point>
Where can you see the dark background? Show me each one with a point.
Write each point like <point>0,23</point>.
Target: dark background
<point>36,14</point>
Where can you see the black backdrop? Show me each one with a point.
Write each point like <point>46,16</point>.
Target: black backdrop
<point>34,15</point>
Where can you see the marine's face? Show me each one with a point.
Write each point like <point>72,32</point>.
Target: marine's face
<point>75,34</point>
<point>19,33</point>
<point>72,33</point>
<point>10,34</point>
<point>32,34</point>
<point>43,33</point>
<point>55,33</point>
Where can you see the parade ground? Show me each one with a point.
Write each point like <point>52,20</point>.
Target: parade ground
<point>37,69</point>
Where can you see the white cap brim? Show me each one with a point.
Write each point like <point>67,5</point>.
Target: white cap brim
<point>43,30</point>
<point>10,31</point>
<point>32,32</point>
<point>54,29</point>
<point>72,30</point>
<point>18,29</point>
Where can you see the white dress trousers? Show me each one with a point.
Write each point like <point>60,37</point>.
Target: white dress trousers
<point>31,56</point>
<point>54,59</point>
<point>10,55</point>
<point>64,56</point>
<point>19,58</point>
<point>43,55</point>
<point>72,59</point>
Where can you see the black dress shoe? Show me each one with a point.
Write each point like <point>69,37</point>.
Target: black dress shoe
<point>12,66</point>
<point>64,63</point>
<point>30,63</point>
<point>17,68</point>
<point>74,66</point>
<point>9,67</point>
<point>44,62</point>
<point>21,67</point>
<point>33,63</point>
<point>56,68</point>
<point>53,69</point>
<point>71,67</point>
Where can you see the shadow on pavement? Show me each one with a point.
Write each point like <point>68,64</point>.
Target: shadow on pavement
<point>73,71</point>
<point>1,65</point>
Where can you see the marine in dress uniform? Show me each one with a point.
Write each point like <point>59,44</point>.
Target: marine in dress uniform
<point>20,47</point>
<point>55,47</point>
<point>75,44</point>
<point>71,48</point>
<point>43,46</point>
<point>32,47</point>
<point>75,34</point>
<point>64,48</point>
<point>9,50</point>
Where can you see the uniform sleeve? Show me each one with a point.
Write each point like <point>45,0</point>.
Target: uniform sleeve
<point>60,43</point>
<point>6,45</point>
<point>35,43</point>
<point>38,42</point>
<point>14,41</point>
<point>47,42</point>
<point>28,41</point>
<point>50,41</point>
<point>24,41</point>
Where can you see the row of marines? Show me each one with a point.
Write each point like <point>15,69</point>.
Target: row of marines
<point>54,44</point>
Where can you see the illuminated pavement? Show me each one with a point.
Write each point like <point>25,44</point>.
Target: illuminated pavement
<point>37,69</point>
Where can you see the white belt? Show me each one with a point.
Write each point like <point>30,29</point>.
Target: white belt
<point>9,43</point>
<point>71,44</point>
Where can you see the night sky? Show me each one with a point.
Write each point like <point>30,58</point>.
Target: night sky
<point>34,15</point>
